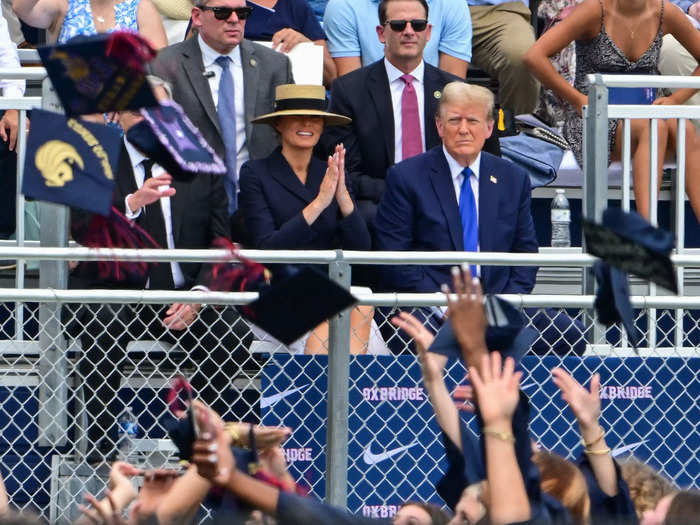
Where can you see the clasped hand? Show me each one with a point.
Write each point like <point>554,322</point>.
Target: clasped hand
<point>333,184</point>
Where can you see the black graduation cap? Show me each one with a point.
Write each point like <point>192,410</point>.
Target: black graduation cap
<point>506,332</point>
<point>627,241</point>
<point>71,162</point>
<point>101,73</point>
<point>297,304</point>
<point>612,301</point>
<point>168,137</point>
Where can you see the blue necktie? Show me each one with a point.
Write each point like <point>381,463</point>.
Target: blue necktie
<point>227,120</point>
<point>470,221</point>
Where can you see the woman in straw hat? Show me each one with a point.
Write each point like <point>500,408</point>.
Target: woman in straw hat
<point>292,201</point>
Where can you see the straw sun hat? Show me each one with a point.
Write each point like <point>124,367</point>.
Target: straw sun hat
<point>298,99</point>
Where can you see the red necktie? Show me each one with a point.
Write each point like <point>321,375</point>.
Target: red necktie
<point>411,140</point>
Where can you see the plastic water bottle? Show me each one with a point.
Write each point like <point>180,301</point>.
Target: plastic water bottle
<point>561,219</point>
<point>128,429</point>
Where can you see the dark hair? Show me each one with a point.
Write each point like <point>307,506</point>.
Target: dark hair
<point>383,4</point>
<point>684,509</point>
<point>437,515</point>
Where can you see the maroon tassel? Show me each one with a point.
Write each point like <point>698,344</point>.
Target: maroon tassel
<point>131,50</point>
<point>115,231</point>
<point>236,276</point>
<point>174,398</point>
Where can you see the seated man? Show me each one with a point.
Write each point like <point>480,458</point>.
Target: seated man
<point>501,35</point>
<point>456,197</point>
<point>391,103</point>
<point>177,214</point>
<point>350,27</point>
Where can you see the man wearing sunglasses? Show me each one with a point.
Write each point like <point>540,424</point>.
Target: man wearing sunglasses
<point>222,81</point>
<point>352,40</point>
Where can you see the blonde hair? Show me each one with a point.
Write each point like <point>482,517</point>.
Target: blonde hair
<point>563,480</point>
<point>460,92</point>
<point>646,485</point>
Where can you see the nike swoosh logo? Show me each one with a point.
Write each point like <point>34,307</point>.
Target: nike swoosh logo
<point>618,451</point>
<point>527,386</point>
<point>372,459</point>
<point>274,398</point>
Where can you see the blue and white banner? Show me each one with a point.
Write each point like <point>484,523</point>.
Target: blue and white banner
<point>396,454</point>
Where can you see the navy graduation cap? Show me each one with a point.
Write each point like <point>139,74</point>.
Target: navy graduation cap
<point>627,241</point>
<point>506,332</point>
<point>101,73</point>
<point>612,302</point>
<point>168,137</point>
<point>71,162</point>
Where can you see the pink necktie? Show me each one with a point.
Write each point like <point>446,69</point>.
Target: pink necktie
<point>411,141</point>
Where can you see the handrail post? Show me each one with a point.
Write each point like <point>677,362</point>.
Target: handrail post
<point>53,387</point>
<point>338,396</point>
<point>595,169</point>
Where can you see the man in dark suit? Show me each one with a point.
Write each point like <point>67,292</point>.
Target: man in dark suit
<point>392,119</point>
<point>195,68</point>
<point>177,214</point>
<point>456,197</point>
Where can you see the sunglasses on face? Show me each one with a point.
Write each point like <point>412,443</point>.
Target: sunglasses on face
<point>224,13</point>
<point>418,24</point>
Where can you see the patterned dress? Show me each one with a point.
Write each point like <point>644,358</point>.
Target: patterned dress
<point>601,55</point>
<point>79,21</point>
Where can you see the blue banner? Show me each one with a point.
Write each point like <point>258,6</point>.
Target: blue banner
<point>395,450</point>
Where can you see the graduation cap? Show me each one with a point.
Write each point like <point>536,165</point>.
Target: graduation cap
<point>101,73</point>
<point>168,137</point>
<point>71,162</point>
<point>628,242</point>
<point>297,304</point>
<point>506,332</point>
<point>612,301</point>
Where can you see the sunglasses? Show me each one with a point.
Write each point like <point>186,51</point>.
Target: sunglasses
<point>224,13</point>
<point>418,24</point>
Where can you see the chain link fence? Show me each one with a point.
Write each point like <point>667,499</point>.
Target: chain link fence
<point>61,398</point>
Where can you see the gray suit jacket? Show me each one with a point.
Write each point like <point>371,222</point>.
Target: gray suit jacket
<point>181,65</point>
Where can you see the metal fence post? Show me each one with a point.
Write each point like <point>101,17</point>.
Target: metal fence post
<point>338,400</point>
<point>595,169</point>
<point>53,387</point>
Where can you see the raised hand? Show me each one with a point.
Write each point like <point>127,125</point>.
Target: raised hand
<point>585,404</point>
<point>153,189</point>
<point>119,478</point>
<point>342,195</point>
<point>265,437</point>
<point>102,514</point>
<point>156,485</point>
<point>467,315</point>
<point>432,364</point>
<point>497,390</point>
<point>211,453</point>
<point>329,184</point>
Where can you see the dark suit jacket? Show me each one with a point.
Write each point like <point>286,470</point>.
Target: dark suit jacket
<point>272,199</point>
<point>263,69</point>
<point>199,215</point>
<point>419,212</point>
<point>364,96</point>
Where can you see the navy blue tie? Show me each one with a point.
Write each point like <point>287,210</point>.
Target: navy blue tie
<point>470,220</point>
<point>227,120</point>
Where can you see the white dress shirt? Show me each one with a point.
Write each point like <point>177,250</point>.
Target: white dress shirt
<point>396,86</point>
<point>457,179</point>
<point>136,157</point>
<point>9,59</point>
<point>209,57</point>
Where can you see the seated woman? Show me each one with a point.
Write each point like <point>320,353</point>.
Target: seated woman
<point>286,23</point>
<point>293,201</point>
<point>65,19</point>
<point>621,37</point>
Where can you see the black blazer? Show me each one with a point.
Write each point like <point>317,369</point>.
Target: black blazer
<point>199,215</point>
<point>272,199</point>
<point>364,96</point>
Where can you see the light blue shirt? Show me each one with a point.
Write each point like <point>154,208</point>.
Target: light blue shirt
<point>350,26</point>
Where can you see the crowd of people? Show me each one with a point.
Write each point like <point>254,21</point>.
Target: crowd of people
<point>403,158</point>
